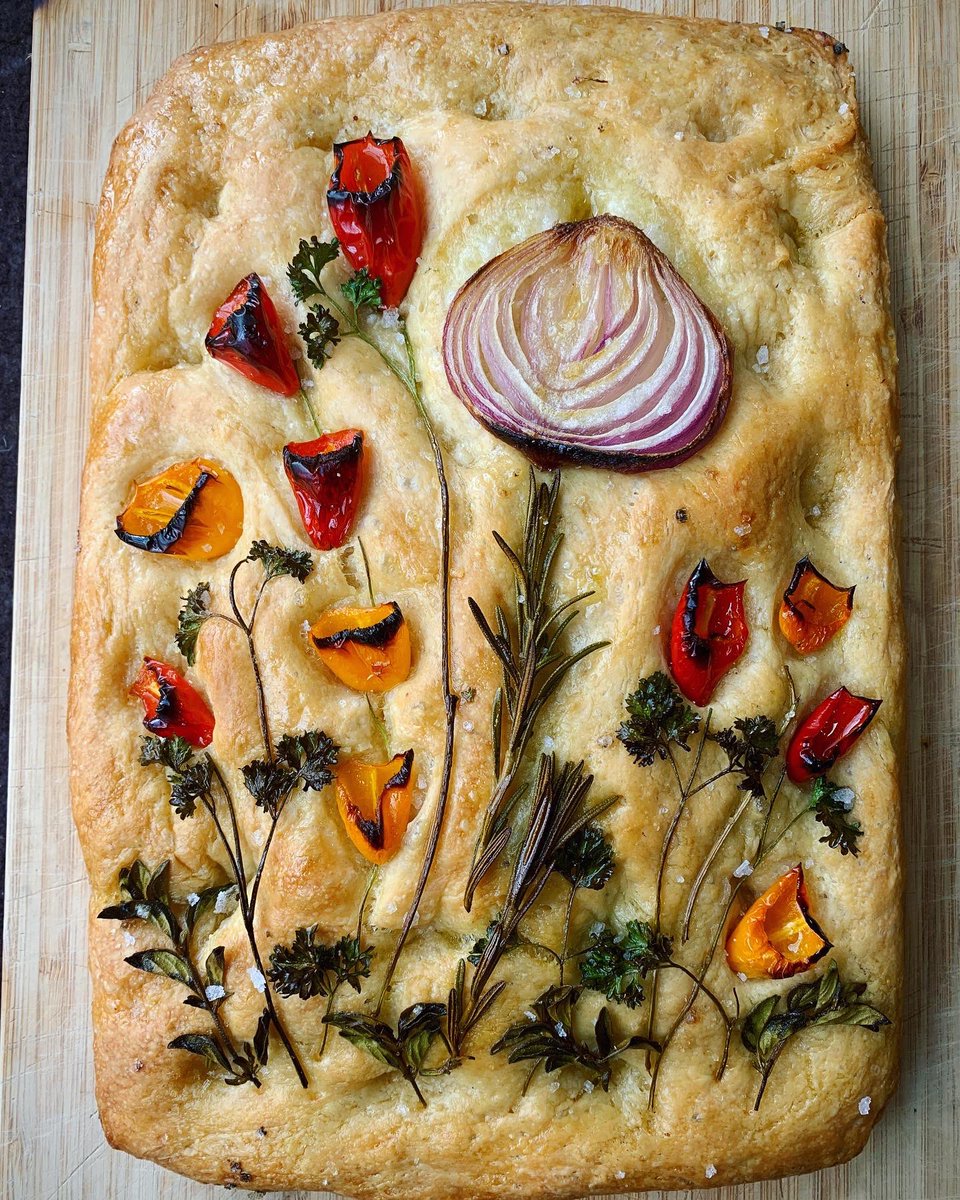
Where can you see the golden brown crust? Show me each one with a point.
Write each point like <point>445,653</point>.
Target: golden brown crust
<point>518,117</point>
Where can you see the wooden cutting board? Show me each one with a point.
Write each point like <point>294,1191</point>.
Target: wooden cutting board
<point>94,62</point>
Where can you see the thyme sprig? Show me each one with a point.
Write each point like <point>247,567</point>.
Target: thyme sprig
<point>527,643</point>
<point>144,895</point>
<point>548,1035</point>
<point>767,1030</point>
<point>352,314</point>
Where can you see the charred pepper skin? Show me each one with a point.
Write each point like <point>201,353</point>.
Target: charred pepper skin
<point>827,733</point>
<point>172,707</point>
<point>377,212</point>
<point>708,634</point>
<point>326,477</point>
<point>247,335</point>
<point>813,610</point>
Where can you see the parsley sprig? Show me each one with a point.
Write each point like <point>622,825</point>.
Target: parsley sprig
<point>831,805</point>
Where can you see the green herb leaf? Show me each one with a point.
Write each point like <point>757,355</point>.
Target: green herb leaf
<point>406,1049</point>
<point>362,290</point>
<point>307,264</point>
<point>749,746</point>
<point>213,967</point>
<point>203,1044</point>
<point>281,560</point>
<point>658,717</point>
<point>194,611</point>
<point>586,859</point>
<point>221,899</point>
<point>269,783</point>
<point>308,968</point>
<point>311,755</point>
<point>765,1031</point>
<point>547,1034</point>
<point>163,962</point>
<point>320,332</point>
<point>618,961</point>
<point>144,897</point>
<point>831,805</point>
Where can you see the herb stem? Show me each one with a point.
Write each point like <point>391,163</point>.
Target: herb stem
<point>308,404</point>
<point>566,930</point>
<point>212,1011</point>
<point>708,862</point>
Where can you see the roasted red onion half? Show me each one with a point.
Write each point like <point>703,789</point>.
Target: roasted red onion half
<point>584,345</point>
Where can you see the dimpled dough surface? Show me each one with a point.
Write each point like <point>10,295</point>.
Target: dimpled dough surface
<point>517,118</point>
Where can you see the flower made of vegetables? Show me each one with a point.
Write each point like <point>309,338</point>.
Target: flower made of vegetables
<point>189,510</point>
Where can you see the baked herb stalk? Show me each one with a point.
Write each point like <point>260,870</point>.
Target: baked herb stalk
<point>768,1029</point>
<point>145,896</point>
<point>352,311</point>
<point>527,641</point>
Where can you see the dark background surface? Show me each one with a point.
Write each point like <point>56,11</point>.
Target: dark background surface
<point>15,22</point>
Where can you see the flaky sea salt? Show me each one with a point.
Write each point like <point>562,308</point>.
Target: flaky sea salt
<point>745,869</point>
<point>215,992</point>
<point>741,977</point>
<point>864,1106</point>
<point>257,979</point>
<point>605,741</point>
<point>129,939</point>
<point>468,726</point>
<point>710,1171</point>
<point>679,135</point>
<point>223,899</point>
<point>764,31</point>
<point>143,912</point>
<point>843,109</point>
<point>763,356</point>
<point>193,899</point>
<point>619,1174</point>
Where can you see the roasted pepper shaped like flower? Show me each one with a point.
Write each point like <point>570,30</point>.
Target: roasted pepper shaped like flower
<point>776,937</point>
<point>326,476</point>
<point>374,804</point>
<point>708,634</point>
<point>247,335</point>
<point>171,706</point>
<point>368,649</point>
<point>376,211</point>
<point>813,608</point>
<point>190,510</point>
<point>827,733</point>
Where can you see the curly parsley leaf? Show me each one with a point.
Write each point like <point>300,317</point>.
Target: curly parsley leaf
<point>194,611</point>
<point>281,560</point>
<point>547,1034</point>
<point>586,859</point>
<point>766,1030</point>
<point>831,805</point>
<point>307,264</point>
<point>658,717</point>
<point>189,777</point>
<point>308,968</point>
<point>269,783</point>
<point>311,755</point>
<point>749,745</point>
<point>362,290</point>
<point>617,962</point>
<point>320,333</point>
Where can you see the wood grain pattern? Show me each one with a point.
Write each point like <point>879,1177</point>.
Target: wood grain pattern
<point>94,63</point>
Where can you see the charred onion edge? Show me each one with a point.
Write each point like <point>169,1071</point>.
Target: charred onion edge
<point>380,634</point>
<point>340,195</point>
<point>548,453</point>
<point>161,541</point>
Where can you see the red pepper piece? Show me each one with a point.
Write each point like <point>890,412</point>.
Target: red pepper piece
<point>827,733</point>
<point>708,635</point>
<point>326,476</point>
<point>247,335</point>
<point>376,212</point>
<point>171,706</point>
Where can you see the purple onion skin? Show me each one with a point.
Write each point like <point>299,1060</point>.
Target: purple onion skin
<point>547,453</point>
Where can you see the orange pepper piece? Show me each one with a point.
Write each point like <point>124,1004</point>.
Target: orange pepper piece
<point>776,937</point>
<point>374,804</point>
<point>368,649</point>
<point>172,707</point>
<point>190,510</point>
<point>813,609</point>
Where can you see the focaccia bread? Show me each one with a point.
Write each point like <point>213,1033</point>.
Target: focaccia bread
<point>737,151</point>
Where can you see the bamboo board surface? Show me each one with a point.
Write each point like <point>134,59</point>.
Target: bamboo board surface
<point>94,62</point>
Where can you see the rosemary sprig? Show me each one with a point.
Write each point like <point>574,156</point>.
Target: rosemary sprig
<point>557,816</point>
<point>359,294</point>
<point>527,645</point>
<point>145,896</point>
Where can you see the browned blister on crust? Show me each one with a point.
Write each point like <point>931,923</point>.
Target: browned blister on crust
<point>739,153</point>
